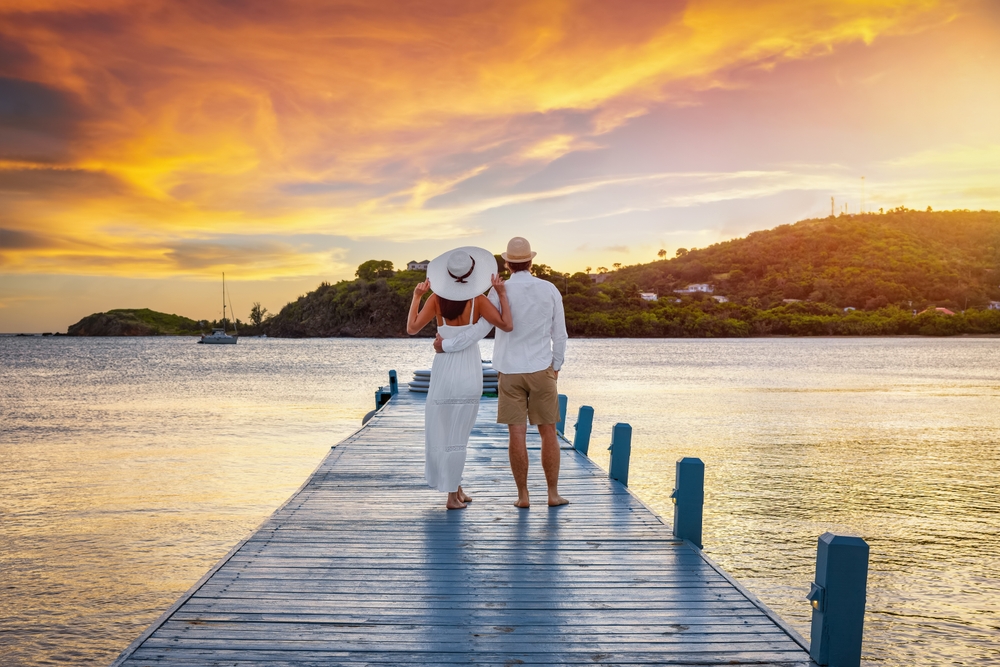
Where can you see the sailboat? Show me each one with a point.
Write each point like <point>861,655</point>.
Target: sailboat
<point>219,336</point>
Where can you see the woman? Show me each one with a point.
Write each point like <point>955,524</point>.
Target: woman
<point>459,278</point>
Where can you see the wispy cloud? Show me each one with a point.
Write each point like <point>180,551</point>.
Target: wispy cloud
<point>151,256</point>
<point>134,136</point>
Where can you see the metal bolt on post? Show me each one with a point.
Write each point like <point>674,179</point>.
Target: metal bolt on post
<point>838,600</point>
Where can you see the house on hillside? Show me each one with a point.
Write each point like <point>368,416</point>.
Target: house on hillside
<point>417,266</point>
<point>598,278</point>
<point>791,301</point>
<point>942,311</point>
<point>994,305</point>
<point>648,296</point>
<point>695,288</point>
<point>720,298</point>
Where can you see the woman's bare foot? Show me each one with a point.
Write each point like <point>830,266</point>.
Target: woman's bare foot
<point>523,503</point>
<point>557,500</point>
<point>463,496</point>
<point>454,503</point>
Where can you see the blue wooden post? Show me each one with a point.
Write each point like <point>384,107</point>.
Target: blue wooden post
<point>584,425</point>
<point>838,600</point>
<point>561,424</point>
<point>621,450</point>
<point>393,383</point>
<point>689,498</point>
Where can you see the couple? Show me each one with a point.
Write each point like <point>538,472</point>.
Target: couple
<point>527,354</point>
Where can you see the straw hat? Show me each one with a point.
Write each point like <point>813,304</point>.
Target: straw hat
<point>518,250</point>
<point>462,273</point>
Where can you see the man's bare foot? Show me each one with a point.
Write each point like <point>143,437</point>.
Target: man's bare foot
<point>463,496</point>
<point>557,500</point>
<point>523,503</point>
<point>454,503</point>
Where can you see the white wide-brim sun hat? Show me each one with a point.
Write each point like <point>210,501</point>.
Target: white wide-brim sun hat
<point>462,274</point>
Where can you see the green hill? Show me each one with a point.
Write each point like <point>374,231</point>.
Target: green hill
<point>134,322</point>
<point>867,274</point>
<point>799,279</point>
<point>375,306</point>
<point>949,259</point>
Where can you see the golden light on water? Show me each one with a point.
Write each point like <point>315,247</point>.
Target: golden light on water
<point>131,465</point>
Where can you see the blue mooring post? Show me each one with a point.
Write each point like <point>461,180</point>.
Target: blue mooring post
<point>621,450</point>
<point>561,424</point>
<point>393,383</point>
<point>584,425</point>
<point>838,600</point>
<point>689,499</point>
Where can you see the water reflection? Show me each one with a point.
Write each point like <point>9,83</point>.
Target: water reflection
<point>129,466</point>
<point>895,440</point>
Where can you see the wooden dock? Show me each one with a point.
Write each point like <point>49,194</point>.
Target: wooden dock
<point>363,565</point>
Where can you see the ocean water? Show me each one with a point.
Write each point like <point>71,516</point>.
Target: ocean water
<point>128,467</point>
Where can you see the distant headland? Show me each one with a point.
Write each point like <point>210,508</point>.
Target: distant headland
<point>898,272</point>
<point>134,322</point>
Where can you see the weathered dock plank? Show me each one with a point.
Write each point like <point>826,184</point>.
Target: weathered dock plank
<point>363,565</point>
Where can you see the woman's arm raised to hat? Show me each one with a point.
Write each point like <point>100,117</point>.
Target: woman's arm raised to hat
<point>501,319</point>
<point>418,318</point>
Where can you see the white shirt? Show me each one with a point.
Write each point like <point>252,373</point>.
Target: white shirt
<point>539,336</point>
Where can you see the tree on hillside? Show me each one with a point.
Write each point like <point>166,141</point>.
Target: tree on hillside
<point>257,313</point>
<point>541,270</point>
<point>662,253</point>
<point>502,267</point>
<point>617,265</point>
<point>681,252</point>
<point>374,269</point>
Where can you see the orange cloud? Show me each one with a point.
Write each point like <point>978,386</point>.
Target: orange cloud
<point>189,122</point>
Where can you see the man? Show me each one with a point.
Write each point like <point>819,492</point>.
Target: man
<point>528,360</point>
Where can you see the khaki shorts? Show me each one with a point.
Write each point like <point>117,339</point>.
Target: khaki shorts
<point>528,397</point>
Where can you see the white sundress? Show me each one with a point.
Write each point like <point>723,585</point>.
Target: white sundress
<point>452,407</point>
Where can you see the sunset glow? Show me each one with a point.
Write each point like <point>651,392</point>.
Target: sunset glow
<point>292,141</point>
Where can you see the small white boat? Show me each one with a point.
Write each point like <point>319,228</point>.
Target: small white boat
<point>219,336</point>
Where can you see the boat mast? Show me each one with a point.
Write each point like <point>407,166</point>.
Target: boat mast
<point>235,330</point>
<point>223,302</point>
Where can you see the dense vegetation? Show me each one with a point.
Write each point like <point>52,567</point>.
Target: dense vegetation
<point>873,274</point>
<point>911,259</point>
<point>885,270</point>
<point>134,322</point>
<point>852,275</point>
<point>374,307</point>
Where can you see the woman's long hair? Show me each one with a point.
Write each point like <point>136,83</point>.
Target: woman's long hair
<point>450,310</point>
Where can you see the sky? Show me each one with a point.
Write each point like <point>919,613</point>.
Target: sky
<point>146,148</point>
